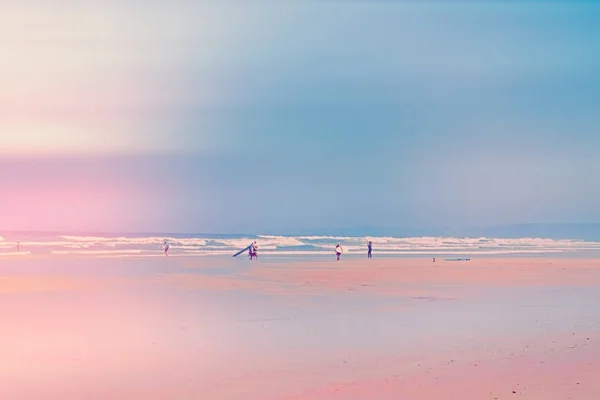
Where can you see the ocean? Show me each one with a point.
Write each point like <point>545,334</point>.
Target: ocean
<point>147,245</point>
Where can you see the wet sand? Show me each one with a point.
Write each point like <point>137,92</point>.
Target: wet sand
<point>219,328</point>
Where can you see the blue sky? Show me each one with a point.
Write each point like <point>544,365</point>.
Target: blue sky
<point>281,116</point>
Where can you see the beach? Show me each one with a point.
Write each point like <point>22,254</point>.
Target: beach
<point>214,327</point>
<point>191,193</point>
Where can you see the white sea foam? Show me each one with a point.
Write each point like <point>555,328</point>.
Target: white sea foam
<point>62,243</point>
<point>96,252</point>
<point>295,245</point>
<point>281,241</point>
<point>122,240</point>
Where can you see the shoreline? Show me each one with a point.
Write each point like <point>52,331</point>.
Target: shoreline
<point>308,256</point>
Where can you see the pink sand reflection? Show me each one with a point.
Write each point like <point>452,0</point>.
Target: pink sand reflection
<point>186,328</point>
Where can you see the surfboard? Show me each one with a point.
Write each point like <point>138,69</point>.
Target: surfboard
<point>241,251</point>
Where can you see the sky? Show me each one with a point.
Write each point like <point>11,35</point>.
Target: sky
<point>265,116</point>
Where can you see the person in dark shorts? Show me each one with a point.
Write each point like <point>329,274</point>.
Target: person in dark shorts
<point>370,247</point>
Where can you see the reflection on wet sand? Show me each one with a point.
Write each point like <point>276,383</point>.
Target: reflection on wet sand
<point>211,328</point>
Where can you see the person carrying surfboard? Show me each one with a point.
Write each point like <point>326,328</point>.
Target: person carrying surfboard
<point>338,251</point>
<point>253,251</point>
<point>166,248</point>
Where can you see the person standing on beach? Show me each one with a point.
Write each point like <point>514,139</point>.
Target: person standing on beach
<point>253,250</point>
<point>166,248</point>
<point>370,247</point>
<point>338,251</point>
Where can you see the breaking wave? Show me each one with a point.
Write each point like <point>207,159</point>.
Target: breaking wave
<point>225,245</point>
